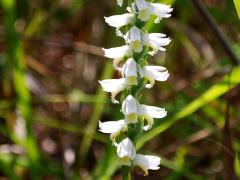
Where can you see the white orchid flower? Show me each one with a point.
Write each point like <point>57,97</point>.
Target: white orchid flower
<point>135,39</point>
<point>152,73</point>
<point>129,70</point>
<point>131,108</point>
<point>146,162</point>
<point>150,112</point>
<point>156,41</point>
<point>118,53</point>
<point>118,21</point>
<point>126,152</point>
<point>114,86</point>
<point>114,128</point>
<point>146,9</point>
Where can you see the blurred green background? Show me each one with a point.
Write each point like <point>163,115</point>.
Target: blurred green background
<point>51,101</point>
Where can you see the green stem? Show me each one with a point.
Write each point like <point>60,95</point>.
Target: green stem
<point>126,173</point>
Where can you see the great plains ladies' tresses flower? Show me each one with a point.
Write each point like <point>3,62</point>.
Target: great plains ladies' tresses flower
<point>135,74</point>
<point>135,39</point>
<point>114,128</point>
<point>126,152</point>
<point>156,41</point>
<point>114,86</point>
<point>120,20</point>
<point>131,108</point>
<point>118,53</point>
<point>146,162</point>
<point>150,112</point>
<point>152,73</point>
<point>129,70</point>
<point>146,9</point>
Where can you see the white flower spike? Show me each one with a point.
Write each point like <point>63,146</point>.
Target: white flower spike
<point>146,9</point>
<point>134,72</point>
<point>152,73</point>
<point>114,128</point>
<point>146,162</point>
<point>126,152</point>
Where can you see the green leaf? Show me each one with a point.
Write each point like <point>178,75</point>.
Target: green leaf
<point>237,5</point>
<point>237,165</point>
<point>217,90</point>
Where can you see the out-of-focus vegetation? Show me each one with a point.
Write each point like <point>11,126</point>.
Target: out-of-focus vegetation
<point>50,99</point>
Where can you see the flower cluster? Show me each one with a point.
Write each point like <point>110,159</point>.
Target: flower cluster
<point>130,61</point>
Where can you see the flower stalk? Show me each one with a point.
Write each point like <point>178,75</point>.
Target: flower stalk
<point>136,76</point>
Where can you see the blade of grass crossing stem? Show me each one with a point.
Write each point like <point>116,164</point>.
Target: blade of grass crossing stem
<point>15,57</point>
<point>214,92</point>
<point>98,109</point>
<point>237,5</point>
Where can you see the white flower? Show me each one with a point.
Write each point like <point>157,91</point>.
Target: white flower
<point>114,128</point>
<point>135,39</point>
<point>120,2</point>
<point>152,73</point>
<point>129,70</point>
<point>156,41</point>
<point>146,9</point>
<point>118,53</point>
<point>146,162</point>
<point>132,109</point>
<point>119,20</point>
<point>150,112</point>
<point>114,86</point>
<point>126,152</point>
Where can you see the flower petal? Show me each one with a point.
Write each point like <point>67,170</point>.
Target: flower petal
<point>114,86</point>
<point>111,126</point>
<point>160,10</point>
<point>126,152</point>
<point>129,71</point>
<point>135,39</point>
<point>114,128</point>
<point>155,41</point>
<point>153,73</point>
<point>130,109</point>
<point>118,52</point>
<point>152,111</point>
<point>119,20</point>
<point>146,162</point>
